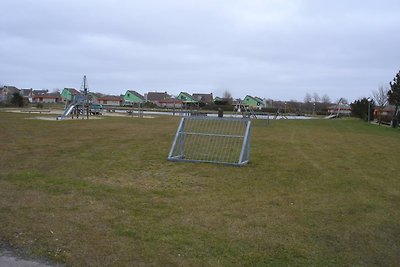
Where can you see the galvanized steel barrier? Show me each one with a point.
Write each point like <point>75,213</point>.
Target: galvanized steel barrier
<point>214,140</point>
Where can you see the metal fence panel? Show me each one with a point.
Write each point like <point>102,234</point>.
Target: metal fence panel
<point>216,140</point>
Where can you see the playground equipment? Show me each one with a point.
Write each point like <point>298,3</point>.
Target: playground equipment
<point>247,111</point>
<point>136,108</point>
<point>213,140</point>
<point>335,113</point>
<point>79,104</point>
<point>279,115</point>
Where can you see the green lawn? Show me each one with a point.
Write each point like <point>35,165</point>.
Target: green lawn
<point>101,192</point>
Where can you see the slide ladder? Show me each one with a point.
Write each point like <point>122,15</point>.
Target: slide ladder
<point>247,111</point>
<point>71,107</point>
<point>334,115</point>
<point>68,110</point>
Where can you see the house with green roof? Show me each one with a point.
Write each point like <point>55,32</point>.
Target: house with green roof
<point>254,102</point>
<point>68,94</point>
<point>186,98</point>
<point>132,96</point>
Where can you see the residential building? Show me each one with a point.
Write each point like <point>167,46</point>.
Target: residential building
<point>132,96</point>
<point>254,102</point>
<point>44,97</point>
<point>6,92</point>
<point>205,98</point>
<point>187,98</point>
<point>341,109</point>
<point>2,95</point>
<point>110,100</point>
<point>156,97</point>
<point>27,94</point>
<point>170,103</point>
<point>386,111</point>
<point>68,94</point>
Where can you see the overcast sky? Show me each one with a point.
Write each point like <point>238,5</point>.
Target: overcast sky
<point>279,49</point>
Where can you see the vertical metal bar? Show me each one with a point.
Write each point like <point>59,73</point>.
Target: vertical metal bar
<point>182,139</point>
<point>247,138</point>
<point>244,142</point>
<point>171,152</point>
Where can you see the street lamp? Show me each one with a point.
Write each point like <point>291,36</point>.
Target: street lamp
<point>369,109</point>
<point>285,107</point>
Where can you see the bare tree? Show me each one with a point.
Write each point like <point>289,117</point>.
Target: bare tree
<point>381,99</point>
<point>227,95</point>
<point>325,99</point>
<point>380,96</point>
<point>316,97</point>
<point>307,98</point>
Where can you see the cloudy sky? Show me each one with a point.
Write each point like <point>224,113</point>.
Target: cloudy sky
<point>279,49</point>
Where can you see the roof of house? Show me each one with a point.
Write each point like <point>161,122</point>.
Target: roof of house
<point>157,96</point>
<point>47,95</point>
<point>136,94</point>
<point>26,92</point>
<point>387,108</point>
<point>207,98</point>
<point>73,91</point>
<point>11,89</point>
<point>257,99</point>
<point>39,92</point>
<point>110,98</point>
<point>187,97</point>
<point>170,101</point>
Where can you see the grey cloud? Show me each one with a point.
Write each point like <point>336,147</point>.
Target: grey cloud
<point>273,49</point>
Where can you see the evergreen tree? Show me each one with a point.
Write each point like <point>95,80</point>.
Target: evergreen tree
<point>360,109</point>
<point>394,97</point>
<point>17,100</point>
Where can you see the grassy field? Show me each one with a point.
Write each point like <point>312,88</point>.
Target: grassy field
<point>101,192</point>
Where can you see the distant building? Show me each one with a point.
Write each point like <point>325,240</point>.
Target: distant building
<point>205,98</point>
<point>6,92</point>
<point>110,100</point>
<point>341,109</point>
<point>155,97</point>
<point>186,98</point>
<point>42,96</point>
<point>27,94</point>
<point>68,94</point>
<point>254,102</point>
<point>386,111</point>
<point>170,103</point>
<point>132,96</point>
<point>2,95</point>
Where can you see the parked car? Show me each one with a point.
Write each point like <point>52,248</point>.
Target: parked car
<point>96,109</point>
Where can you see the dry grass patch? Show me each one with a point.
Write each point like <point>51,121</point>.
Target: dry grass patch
<point>101,192</point>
